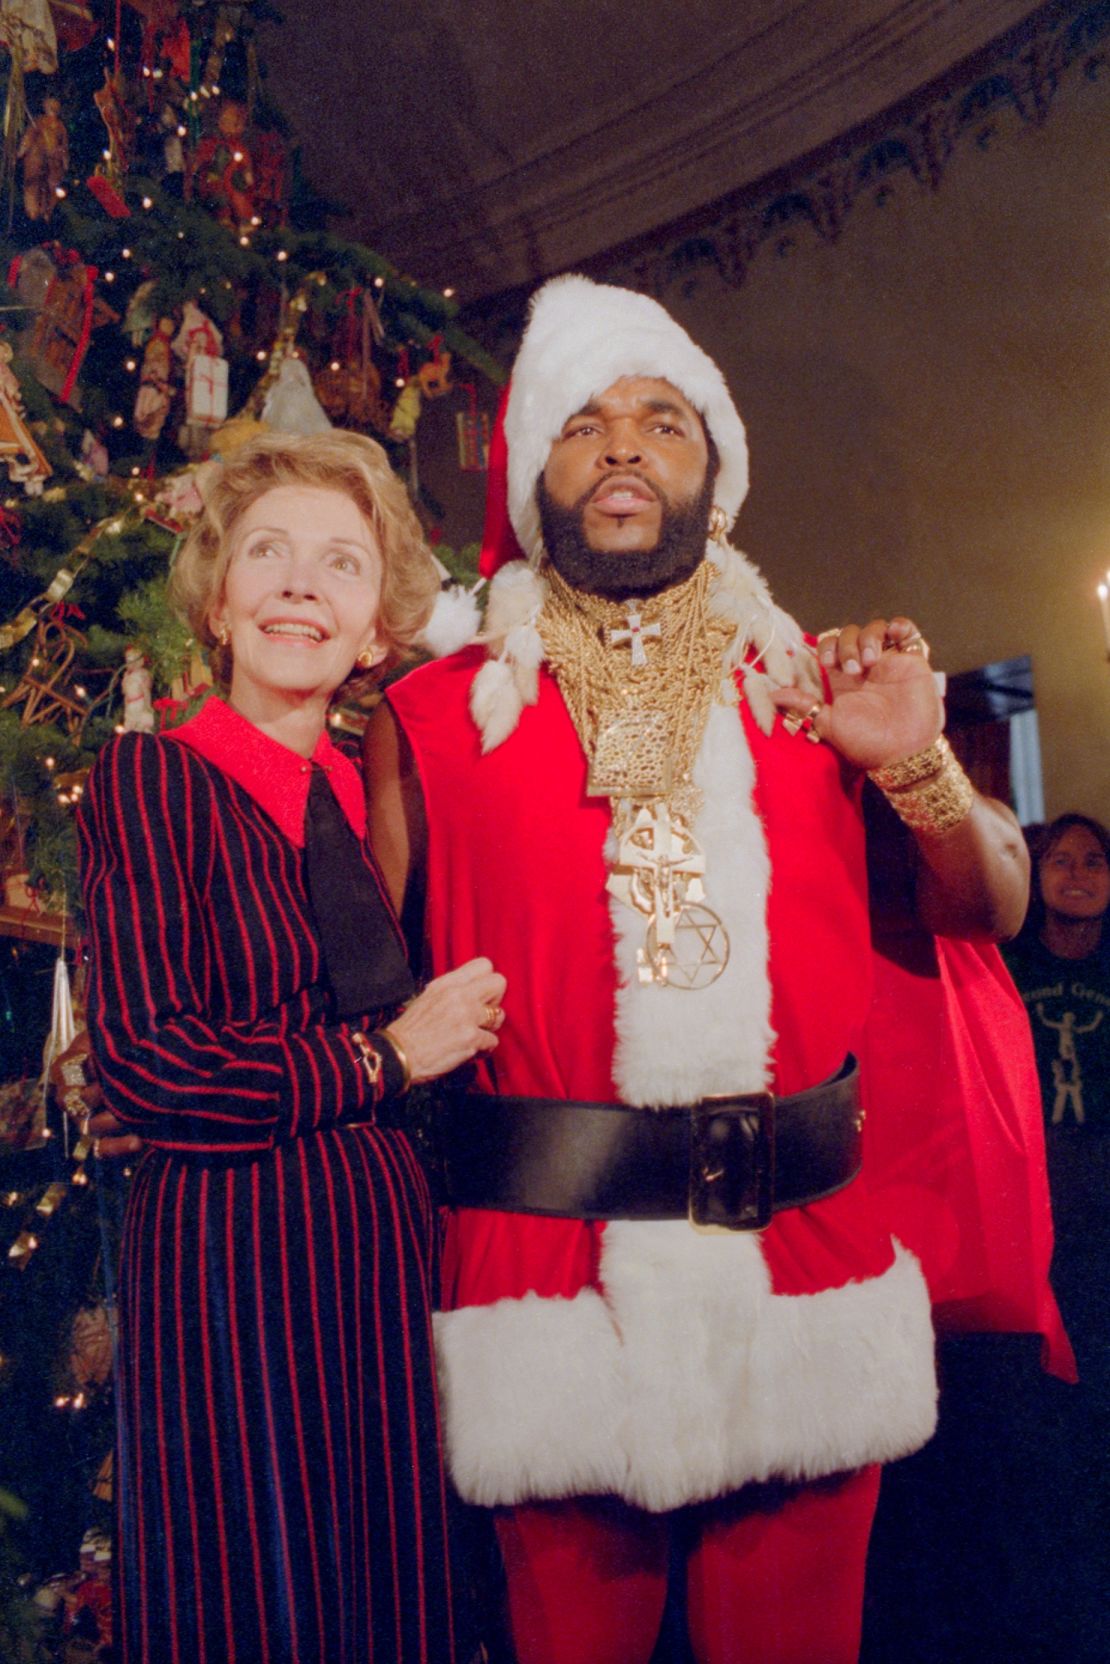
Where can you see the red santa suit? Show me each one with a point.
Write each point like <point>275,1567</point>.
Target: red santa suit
<point>652,1361</point>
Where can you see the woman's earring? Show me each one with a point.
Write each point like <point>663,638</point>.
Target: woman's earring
<point>367,659</point>
<point>223,634</point>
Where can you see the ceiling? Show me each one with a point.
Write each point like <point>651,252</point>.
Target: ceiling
<point>484,144</point>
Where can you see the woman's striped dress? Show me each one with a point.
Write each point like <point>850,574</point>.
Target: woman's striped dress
<point>280,1486</point>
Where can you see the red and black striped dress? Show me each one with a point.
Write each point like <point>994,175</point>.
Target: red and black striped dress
<point>280,1484</point>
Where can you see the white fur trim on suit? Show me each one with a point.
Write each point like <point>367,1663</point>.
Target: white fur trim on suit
<point>509,679</point>
<point>581,338</point>
<point>454,623</point>
<point>673,1046</point>
<point>685,1379</point>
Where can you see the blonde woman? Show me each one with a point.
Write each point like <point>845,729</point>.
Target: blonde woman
<point>280,1490</point>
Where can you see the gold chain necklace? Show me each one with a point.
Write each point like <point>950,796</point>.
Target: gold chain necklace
<point>638,683</point>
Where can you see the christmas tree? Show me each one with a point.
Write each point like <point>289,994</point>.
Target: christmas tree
<point>171,286</point>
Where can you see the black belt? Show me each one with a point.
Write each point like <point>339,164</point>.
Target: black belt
<point>725,1162</point>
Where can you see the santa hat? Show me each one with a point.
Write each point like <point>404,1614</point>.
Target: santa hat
<point>581,338</point>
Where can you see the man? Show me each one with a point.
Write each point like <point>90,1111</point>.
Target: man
<point>655,1321</point>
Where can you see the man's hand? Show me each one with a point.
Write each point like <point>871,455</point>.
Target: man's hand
<point>884,702</point>
<point>972,879</point>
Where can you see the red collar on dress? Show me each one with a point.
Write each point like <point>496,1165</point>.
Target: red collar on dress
<point>277,778</point>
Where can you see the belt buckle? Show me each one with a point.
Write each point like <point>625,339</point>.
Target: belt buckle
<point>732,1162</point>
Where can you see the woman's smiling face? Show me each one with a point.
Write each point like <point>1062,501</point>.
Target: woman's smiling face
<point>300,596</point>
<point>1074,876</point>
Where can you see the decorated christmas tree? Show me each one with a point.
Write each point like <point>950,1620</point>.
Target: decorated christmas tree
<point>171,286</point>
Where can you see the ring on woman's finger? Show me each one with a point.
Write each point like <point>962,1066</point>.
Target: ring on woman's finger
<point>492,1018</point>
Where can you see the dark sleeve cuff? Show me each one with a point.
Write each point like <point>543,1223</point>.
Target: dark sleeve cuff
<point>394,1075</point>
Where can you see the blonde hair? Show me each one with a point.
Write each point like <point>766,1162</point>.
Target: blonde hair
<point>335,461</point>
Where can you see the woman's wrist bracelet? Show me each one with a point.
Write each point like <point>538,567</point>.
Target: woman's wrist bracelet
<point>369,1057</point>
<point>387,1067</point>
<point>929,791</point>
<point>393,1045</point>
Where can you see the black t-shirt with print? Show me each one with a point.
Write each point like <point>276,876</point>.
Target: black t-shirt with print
<point>1068,1001</point>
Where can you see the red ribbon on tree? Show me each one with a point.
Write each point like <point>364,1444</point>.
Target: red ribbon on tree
<point>82,346</point>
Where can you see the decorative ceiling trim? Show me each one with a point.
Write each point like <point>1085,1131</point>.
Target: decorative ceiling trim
<point>1019,75</point>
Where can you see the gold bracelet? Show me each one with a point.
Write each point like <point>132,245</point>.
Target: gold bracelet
<point>910,771</point>
<point>406,1067</point>
<point>934,802</point>
<point>370,1058</point>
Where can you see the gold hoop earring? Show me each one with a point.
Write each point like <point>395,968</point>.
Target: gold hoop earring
<point>718,525</point>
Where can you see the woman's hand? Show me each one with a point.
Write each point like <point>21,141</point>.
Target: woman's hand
<point>454,1017</point>
<point>73,1076</point>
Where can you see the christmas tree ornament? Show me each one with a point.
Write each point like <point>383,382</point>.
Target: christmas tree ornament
<point>155,395</point>
<point>50,689</point>
<point>137,686</point>
<point>89,1363</point>
<point>106,183</point>
<point>19,453</point>
<point>74,23</point>
<point>434,374</point>
<point>71,310</point>
<point>63,1028</point>
<point>44,153</point>
<point>93,462</point>
<point>406,412</point>
<point>31,275</point>
<point>22,1115</point>
<point>222,174</point>
<point>27,31</point>
<point>141,315</point>
<point>291,406</point>
<point>472,433</point>
<point>271,179</point>
<point>199,345</point>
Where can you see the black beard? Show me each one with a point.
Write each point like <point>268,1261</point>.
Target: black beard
<point>678,552</point>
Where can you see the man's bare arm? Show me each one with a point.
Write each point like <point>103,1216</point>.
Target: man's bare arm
<point>974,880</point>
<point>884,705</point>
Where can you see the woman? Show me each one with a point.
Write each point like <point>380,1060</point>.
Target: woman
<point>281,1494</point>
<point>1061,964</point>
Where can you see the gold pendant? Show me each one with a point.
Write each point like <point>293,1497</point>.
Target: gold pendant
<point>658,871</point>
<point>632,757</point>
<point>695,956</point>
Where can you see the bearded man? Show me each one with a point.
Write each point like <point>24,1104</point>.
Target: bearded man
<point>672,1304</point>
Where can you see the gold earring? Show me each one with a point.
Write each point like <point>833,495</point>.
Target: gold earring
<point>223,635</point>
<point>718,525</point>
<point>367,659</point>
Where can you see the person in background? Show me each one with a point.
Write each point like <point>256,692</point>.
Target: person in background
<point>1061,964</point>
<point>280,1489</point>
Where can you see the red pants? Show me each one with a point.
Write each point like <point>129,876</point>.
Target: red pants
<point>774,1575</point>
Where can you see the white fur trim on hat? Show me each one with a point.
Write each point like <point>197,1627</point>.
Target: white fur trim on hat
<point>581,338</point>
